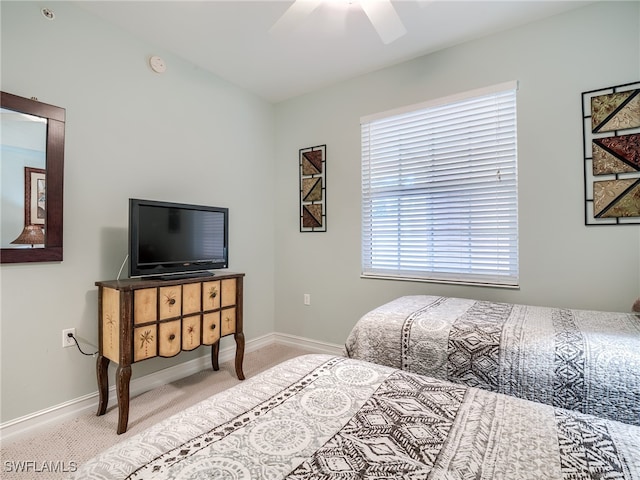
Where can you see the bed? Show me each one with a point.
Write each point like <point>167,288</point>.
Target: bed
<point>326,417</point>
<point>574,359</point>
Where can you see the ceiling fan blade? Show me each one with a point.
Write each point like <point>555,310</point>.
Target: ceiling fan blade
<point>384,19</point>
<point>294,14</point>
<point>424,3</point>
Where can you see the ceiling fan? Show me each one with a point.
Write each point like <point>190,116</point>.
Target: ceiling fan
<point>381,13</point>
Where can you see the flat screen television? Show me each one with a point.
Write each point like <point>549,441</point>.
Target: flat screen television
<point>169,239</point>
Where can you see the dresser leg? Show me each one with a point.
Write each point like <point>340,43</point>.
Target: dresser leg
<point>239,354</point>
<point>215,350</point>
<point>123,376</point>
<point>102,363</point>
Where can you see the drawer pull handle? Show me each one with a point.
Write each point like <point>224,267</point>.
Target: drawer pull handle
<point>172,336</point>
<point>213,326</point>
<point>170,298</point>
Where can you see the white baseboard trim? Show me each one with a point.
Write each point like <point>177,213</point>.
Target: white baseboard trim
<point>30,424</point>
<point>308,344</point>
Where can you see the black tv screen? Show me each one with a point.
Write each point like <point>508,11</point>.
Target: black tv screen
<point>174,238</point>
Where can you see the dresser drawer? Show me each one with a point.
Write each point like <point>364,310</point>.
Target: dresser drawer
<point>210,295</point>
<point>144,342</point>
<point>191,297</point>
<point>191,332</point>
<point>169,341</point>
<point>227,321</point>
<point>170,302</point>
<point>210,328</point>
<point>228,292</point>
<point>145,305</point>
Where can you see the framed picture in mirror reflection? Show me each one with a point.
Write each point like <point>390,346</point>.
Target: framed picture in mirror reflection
<point>35,190</point>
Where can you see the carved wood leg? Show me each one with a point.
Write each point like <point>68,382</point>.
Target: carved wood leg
<point>102,363</point>
<point>215,350</point>
<point>239,354</point>
<point>123,376</point>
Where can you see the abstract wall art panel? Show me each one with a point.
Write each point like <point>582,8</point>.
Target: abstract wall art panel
<point>311,189</point>
<point>611,143</point>
<point>312,216</point>
<point>313,203</point>
<point>616,198</point>
<point>615,111</point>
<point>312,161</point>
<point>616,154</point>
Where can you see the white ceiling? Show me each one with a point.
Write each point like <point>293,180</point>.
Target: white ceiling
<point>335,42</point>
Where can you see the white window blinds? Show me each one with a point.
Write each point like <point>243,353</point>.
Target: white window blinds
<point>439,190</point>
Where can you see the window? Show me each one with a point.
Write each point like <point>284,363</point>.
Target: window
<point>439,190</point>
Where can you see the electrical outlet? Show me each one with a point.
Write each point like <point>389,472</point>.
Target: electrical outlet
<point>307,299</point>
<point>67,341</point>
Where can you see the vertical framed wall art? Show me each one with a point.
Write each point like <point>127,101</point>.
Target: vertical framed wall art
<point>313,187</point>
<point>611,138</point>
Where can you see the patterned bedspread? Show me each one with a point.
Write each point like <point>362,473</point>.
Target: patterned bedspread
<point>575,359</point>
<point>322,417</point>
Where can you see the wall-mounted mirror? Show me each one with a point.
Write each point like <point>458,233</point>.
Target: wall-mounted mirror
<point>32,177</point>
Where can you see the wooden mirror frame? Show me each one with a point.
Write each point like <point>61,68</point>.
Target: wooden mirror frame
<point>52,251</point>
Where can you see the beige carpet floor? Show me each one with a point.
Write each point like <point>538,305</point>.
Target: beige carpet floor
<point>79,439</point>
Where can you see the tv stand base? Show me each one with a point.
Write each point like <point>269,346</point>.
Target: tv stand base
<point>142,318</point>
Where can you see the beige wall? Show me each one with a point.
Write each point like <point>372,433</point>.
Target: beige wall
<point>562,262</point>
<point>182,136</point>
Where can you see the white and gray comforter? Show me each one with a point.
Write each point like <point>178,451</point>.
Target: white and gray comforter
<point>321,417</point>
<point>574,359</point>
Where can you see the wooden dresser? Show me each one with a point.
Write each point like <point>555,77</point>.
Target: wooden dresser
<point>141,319</point>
